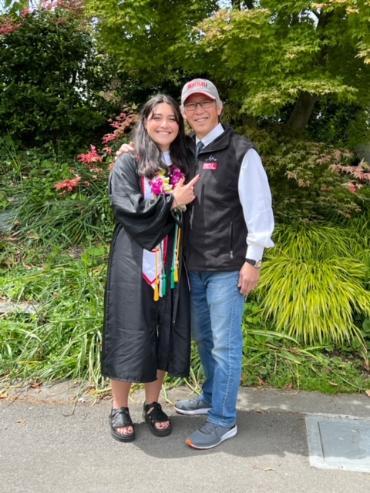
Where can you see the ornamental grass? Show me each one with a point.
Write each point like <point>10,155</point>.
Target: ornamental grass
<point>314,283</point>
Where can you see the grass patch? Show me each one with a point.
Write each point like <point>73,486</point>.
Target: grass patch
<point>320,371</point>
<point>62,338</point>
<point>278,360</point>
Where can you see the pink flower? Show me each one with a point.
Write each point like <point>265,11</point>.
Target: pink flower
<point>122,123</point>
<point>157,186</point>
<point>352,187</point>
<point>8,26</point>
<point>49,4</point>
<point>360,171</point>
<point>90,157</point>
<point>175,175</point>
<point>164,183</point>
<point>109,138</point>
<point>71,5</point>
<point>118,122</point>
<point>68,185</point>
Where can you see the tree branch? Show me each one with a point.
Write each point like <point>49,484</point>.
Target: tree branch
<point>302,112</point>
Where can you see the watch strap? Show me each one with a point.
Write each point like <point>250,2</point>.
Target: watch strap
<point>256,263</point>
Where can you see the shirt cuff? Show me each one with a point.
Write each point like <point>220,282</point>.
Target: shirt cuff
<point>254,252</point>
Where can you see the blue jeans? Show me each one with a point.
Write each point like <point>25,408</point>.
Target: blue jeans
<point>217,312</point>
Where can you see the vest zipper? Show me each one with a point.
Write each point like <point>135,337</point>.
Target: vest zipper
<point>231,253</point>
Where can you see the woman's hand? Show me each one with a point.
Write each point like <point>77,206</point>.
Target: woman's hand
<point>183,194</point>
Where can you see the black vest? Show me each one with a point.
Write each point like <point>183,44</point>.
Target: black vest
<point>217,239</point>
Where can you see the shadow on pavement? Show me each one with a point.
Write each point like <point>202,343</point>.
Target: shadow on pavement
<point>258,434</point>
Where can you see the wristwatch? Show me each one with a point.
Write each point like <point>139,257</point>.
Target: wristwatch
<point>256,263</point>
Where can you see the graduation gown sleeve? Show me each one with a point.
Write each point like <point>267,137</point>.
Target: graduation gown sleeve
<point>147,221</point>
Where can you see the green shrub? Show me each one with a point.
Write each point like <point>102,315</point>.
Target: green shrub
<point>73,219</point>
<point>314,282</point>
<point>44,214</point>
<point>50,79</point>
<point>312,181</point>
<point>61,202</point>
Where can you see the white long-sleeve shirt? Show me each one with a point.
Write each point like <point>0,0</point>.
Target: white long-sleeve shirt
<point>255,198</point>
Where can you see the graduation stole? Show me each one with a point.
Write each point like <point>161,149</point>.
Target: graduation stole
<point>154,261</point>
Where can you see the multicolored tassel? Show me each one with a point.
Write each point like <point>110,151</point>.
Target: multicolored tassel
<point>175,257</point>
<point>156,290</point>
<point>160,283</point>
<point>163,285</point>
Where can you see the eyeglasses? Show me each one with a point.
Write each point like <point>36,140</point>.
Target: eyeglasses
<point>190,107</point>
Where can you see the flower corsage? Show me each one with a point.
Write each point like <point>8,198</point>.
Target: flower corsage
<point>164,183</point>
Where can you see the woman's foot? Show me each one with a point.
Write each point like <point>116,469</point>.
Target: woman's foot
<point>122,427</point>
<point>158,421</point>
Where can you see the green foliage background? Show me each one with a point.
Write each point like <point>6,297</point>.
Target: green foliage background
<point>294,77</point>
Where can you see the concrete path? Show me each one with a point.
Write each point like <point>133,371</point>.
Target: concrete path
<point>50,444</point>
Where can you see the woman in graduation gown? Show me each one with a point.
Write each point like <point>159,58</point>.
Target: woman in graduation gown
<point>147,326</point>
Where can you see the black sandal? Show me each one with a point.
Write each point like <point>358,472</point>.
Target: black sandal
<point>120,418</point>
<point>153,414</point>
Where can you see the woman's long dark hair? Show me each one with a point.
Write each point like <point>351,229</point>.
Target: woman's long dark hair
<point>149,153</point>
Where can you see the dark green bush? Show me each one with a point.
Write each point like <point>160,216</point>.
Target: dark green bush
<point>50,79</point>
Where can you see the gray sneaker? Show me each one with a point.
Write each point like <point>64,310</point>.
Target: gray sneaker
<point>210,435</point>
<point>192,406</point>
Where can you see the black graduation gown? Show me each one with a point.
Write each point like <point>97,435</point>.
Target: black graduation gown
<point>141,335</point>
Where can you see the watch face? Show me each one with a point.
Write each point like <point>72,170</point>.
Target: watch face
<point>255,263</point>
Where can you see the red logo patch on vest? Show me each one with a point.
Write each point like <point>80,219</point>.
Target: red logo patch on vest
<point>211,165</point>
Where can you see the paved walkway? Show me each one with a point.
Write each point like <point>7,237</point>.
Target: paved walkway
<point>50,444</point>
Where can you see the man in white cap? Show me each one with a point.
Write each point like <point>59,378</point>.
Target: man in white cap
<point>231,223</point>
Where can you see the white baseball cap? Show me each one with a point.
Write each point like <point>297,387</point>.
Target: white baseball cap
<point>200,86</point>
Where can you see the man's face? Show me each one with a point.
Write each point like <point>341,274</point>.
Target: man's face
<point>202,119</point>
